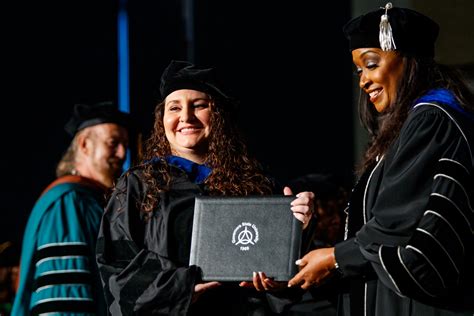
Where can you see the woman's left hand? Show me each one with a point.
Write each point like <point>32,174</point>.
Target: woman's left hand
<point>303,206</point>
<point>261,282</point>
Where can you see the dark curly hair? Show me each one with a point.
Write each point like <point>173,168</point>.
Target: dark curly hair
<point>234,172</point>
<point>420,75</point>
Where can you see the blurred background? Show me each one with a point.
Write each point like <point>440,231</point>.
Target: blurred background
<point>287,62</point>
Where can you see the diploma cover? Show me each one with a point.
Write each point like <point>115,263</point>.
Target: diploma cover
<point>234,236</point>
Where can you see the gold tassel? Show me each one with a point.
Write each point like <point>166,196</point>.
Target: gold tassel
<point>385,35</point>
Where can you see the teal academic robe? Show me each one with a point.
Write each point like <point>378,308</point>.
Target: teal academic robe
<point>58,272</point>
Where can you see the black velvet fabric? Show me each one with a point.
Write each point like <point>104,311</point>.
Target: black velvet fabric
<point>413,32</point>
<point>85,115</point>
<point>184,75</point>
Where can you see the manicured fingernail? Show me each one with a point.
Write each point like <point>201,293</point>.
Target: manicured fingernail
<point>254,274</point>
<point>298,262</point>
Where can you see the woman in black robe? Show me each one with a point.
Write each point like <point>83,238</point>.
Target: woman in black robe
<point>144,242</point>
<point>408,248</point>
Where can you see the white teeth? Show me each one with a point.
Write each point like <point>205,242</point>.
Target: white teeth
<point>374,93</point>
<point>188,129</point>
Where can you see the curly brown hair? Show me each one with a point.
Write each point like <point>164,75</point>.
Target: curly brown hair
<point>420,75</point>
<point>234,172</point>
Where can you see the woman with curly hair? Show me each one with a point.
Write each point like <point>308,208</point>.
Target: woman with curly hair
<point>409,246</point>
<point>144,243</point>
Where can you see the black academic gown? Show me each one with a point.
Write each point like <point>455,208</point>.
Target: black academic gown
<point>409,241</point>
<point>144,263</point>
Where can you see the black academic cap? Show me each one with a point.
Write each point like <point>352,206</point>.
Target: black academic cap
<point>85,115</point>
<point>413,32</point>
<point>184,75</point>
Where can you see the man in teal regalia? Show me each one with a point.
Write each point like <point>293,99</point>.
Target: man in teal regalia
<point>58,272</point>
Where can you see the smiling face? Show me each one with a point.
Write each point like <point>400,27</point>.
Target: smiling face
<point>101,151</point>
<point>379,74</point>
<point>186,121</point>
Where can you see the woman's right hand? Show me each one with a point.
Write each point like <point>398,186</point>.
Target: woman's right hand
<point>315,266</point>
<point>203,287</point>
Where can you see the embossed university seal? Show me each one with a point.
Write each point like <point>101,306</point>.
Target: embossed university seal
<point>245,235</point>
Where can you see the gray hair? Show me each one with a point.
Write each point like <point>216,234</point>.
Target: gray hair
<point>67,164</point>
